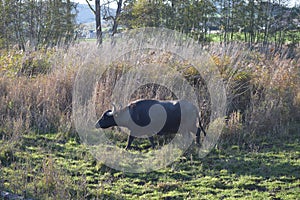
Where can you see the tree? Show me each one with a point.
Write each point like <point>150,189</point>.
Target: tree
<point>191,17</point>
<point>111,16</point>
<point>40,23</point>
<point>97,12</point>
<point>98,16</point>
<point>140,14</point>
<point>254,21</point>
<point>203,12</point>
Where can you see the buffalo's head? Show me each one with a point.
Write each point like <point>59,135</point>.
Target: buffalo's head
<point>110,118</point>
<point>107,120</point>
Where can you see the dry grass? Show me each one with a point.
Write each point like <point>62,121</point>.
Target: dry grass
<point>264,94</point>
<point>39,101</point>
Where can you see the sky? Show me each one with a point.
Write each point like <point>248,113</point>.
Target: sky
<point>83,1</point>
<point>292,2</point>
<point>113,5</point>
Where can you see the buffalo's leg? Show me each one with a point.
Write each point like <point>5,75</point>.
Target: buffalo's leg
<point>151,139</point>
<point>129,141</point>
<point>198,136</point>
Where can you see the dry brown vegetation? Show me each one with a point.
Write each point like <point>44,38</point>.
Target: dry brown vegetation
<point>36,91</point>
<point>263,91</point>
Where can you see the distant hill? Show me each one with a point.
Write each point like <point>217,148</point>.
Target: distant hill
<point>85,15</point>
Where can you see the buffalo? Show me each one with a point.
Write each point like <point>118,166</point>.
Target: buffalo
<point>147,117</point>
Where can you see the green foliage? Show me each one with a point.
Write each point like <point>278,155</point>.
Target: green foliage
<point>187,16</point>
<point>18,63</point>
<point>36,24</point>
<point>11,62</point>
<point>249,21</point>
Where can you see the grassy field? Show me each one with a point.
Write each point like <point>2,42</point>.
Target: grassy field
<point>48,167</point>
<point>257,157</point>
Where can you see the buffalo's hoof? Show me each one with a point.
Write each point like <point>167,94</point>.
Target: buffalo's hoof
<point>127,148</point>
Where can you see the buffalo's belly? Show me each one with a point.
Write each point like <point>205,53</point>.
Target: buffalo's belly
<point>170,127</point>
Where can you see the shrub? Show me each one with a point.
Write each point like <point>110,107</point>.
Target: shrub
<point>17,63</point>
<point>262,89</point>
<point>35,95</point>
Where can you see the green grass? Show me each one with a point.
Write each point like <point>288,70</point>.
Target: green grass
<point>291,37</point>
<point>47,168</point>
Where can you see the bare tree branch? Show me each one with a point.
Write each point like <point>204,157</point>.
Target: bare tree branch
<point>91,7</point>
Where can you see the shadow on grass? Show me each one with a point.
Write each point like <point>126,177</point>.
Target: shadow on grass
<point>276,159</point>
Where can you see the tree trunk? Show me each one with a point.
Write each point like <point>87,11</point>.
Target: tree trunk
<point>98,22</point>
<point>118,12</point>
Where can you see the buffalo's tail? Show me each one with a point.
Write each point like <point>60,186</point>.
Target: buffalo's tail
<point>201,127</point>
<point>198,132</point>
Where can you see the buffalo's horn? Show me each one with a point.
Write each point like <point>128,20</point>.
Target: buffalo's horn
<point>114,108</point>
<point>120,106</point>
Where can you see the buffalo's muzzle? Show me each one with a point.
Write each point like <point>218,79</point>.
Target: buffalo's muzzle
<point>97,125</point>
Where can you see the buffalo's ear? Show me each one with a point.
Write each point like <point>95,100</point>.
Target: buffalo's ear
<point>109,113</point>
<point>132,105</point>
